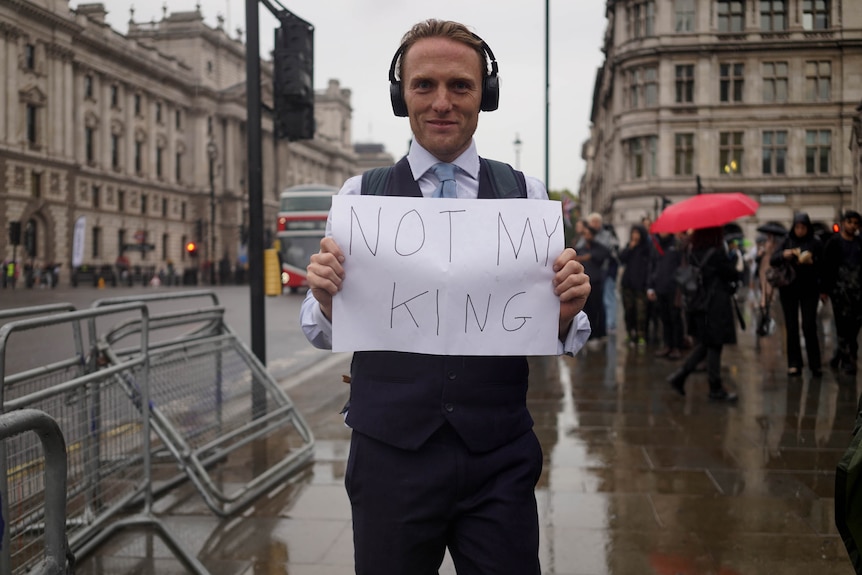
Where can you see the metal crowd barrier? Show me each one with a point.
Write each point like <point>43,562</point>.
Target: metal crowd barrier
<point>98,408</point>
<point>215,408</point>
<point>36,470</point>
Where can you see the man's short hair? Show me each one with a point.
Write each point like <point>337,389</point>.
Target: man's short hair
<point>433,28</point>
<point>851,214</point>
<point>595,217</point>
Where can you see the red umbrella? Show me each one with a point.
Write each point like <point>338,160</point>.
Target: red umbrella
<point>704,211</point>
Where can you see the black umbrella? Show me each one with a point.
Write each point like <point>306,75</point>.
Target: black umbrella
<point>773,228</point>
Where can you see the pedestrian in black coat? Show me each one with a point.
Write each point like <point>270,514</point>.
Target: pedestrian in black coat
<point>804,252</point>
<point>662,289</point>
<point>594,255</point>
<point>715,325</point>
<point>635,258</point>
<point>842,283</point>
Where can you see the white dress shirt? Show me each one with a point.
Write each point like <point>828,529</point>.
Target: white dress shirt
<point>318,329</point>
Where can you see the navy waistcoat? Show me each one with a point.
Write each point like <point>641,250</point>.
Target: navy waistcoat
<point>402,398</point>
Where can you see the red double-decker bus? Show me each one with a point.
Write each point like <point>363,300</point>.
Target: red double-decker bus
<point>300,225</point>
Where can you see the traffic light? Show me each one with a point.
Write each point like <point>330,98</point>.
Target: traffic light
<point>293,78</point>
<point>192,249</point>
<point>15,233</point>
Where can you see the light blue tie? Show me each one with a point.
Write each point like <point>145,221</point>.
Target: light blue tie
<point>446,174</point>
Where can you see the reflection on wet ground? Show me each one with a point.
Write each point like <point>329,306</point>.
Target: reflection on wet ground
<point>637,479</point>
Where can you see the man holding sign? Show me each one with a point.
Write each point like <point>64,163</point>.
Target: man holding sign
<point>442,453</point>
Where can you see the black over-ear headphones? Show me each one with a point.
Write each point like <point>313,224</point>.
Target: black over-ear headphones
<point>490,83</point>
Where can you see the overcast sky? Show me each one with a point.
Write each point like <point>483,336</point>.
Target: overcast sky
<point>355,40</point>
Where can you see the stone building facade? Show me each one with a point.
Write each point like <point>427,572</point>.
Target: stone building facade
<point>738,95</point>
<point>141,135</point>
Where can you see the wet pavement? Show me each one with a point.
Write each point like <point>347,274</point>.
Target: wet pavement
<point>637,480</point>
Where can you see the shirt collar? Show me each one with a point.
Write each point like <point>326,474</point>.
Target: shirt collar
<point>421,160</point>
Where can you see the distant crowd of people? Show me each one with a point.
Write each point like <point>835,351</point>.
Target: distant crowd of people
<point>805,270</point>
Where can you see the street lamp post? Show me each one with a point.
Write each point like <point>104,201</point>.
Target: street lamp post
<point>518,144</point>
<point>212,152</point>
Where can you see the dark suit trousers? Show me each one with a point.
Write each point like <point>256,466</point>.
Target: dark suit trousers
<point>409,506</point>
<point>792,302</point>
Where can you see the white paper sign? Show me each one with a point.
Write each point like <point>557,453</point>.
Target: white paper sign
<point>447,276</point>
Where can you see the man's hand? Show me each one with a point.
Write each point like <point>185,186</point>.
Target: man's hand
<point>572,286</point>
<point>325,274</point>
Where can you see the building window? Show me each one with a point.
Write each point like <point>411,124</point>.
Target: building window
<point>636,159</point>
<point>685,84</point>
<point>183,212</point>
<point>642,87</point>
<point>89,144</point>
<point>137,105</point>
<point>683,154</point>
<point>178,120</point>
<point>97,242</point>
<point>96,196</point>
<point>165,242</point>
<point>634,87</point>
<point>159,154</point>
<point>651,156</point>
<point>773,15</point>
<point>178,167</point>
<point>818,150</point>
<point>36,184</point>
<point>730,153</point>
<point>115,151</point>
<point>818,81</point>
<point>164,207</point>
<point>144,204</point>
<point>651,86</point>
<point>684,15</point>
<point>732,79</point>
<point>30,56</point>
<point>139,158</point>
<point>642,18</point>
<point>642,157</point>
<point>774,152</point>
<point>209,125</point>
<point>158,112</point>
<point>121,241</point>
<point>32,124</point>
<point>88,86</point>
<point>731,16</point>
<point>115,96</point>
<point>121,200</point>
<point>185,239</point>
<point>815,14</point>
<point>775,81</point>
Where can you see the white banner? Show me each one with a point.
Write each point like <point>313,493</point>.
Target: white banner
<point>448,276</point>
<point>79,237</point>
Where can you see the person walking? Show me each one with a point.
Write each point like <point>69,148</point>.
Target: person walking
<point>801,250</point>
<point>594,256</point>
<point>842,284</point>
<point>663,290</point>
<point>714,325</point>
<point>635,258</point>
<point>422,475</point>
<point>606,236</point>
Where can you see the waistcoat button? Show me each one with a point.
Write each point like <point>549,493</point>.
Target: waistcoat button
<point>449,407</point>
<point>451,375</point>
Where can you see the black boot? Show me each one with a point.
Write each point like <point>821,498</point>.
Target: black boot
<point>677,380</point>
<point>718,393</point>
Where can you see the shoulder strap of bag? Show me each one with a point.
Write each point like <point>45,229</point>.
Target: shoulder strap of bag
<point>506,181</point>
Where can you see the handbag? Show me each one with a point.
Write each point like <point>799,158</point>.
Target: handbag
<point>780,275</point>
